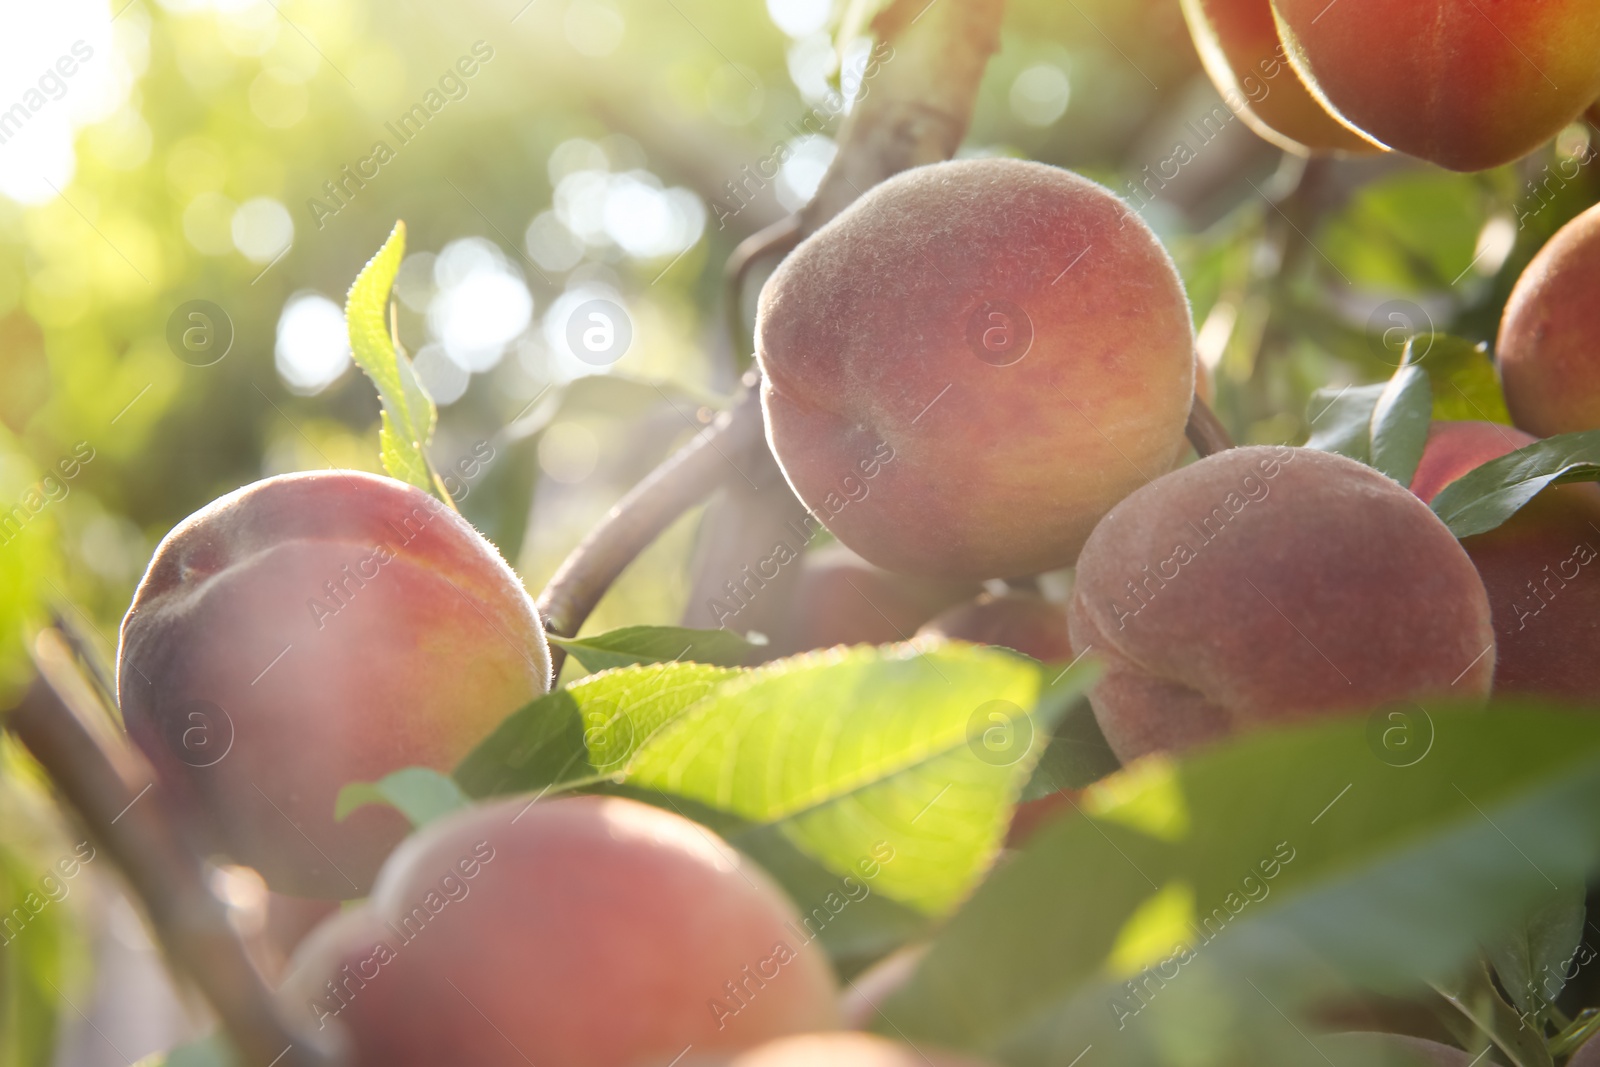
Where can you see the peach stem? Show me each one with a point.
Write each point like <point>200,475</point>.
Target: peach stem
<point>114,793</point>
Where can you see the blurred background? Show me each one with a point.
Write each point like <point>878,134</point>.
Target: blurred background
<point>188,188</point>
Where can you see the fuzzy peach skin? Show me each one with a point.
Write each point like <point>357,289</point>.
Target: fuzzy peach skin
<point>846,1049</point>
<point>1268,584</point>
<point>1466,84</point>
<point>1549,345</point>
<point>1239,46</point>
<point>1022,622</point>
<point>1541,568</point>
<point>308,631</point>
<point>869,338</point>
<point>841,599</point>
<point>584,932</point>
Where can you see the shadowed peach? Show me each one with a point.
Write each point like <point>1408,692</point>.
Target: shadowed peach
<point>585,932</point>
<point>841,599</point>
<point>1549,345</point>
<point>1264,585</point>
<point>1004,344</point>
<point>1022,622</point>
<point>308,631</point>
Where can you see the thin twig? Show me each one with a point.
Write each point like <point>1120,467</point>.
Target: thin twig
<point>778,239</point>
<point>915,110</point>
<point>114,793</point>
<point>1206,431</point>
<point>687,477</point>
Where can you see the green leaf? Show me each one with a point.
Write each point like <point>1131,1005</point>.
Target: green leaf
<point>1482,499</point>
<point>1400,423</point>
<point>660,644</point>
<point>586,732</point>
<point>849,750</point>
<point>1465,385</point>
<point>1077,755</point>
<point>1341,420</point>
<point>1384,425</point>
<point>420,793</point>
<point>1532,959</point>
<point>408,412</point>
<point>1212,899</point>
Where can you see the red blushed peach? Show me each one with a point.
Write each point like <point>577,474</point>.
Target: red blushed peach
<point>1266,585</point>
<point>584,932</point>
<point>1549,346</point>
<point>1239,45</point>
<point>1466,84</point>
<point>841,599</point>
<point>1539,568</point>
<point>973,363</point>
<point>1022,622</point>
<point>312,630</point>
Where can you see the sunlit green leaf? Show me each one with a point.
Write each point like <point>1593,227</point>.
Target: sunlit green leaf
<point>1465,385</point>
<point>855,750</point>
<point>587,731</point>
<point>1208,900</point>
<point>408,412</point>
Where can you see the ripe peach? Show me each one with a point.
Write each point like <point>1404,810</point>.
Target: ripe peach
<point>845,1049</point>
<point>1023,622</point>
<point>973,363</point>
<point>1264,585</point>
<point>312,630</point>
<point>585,932</point>
<point>1549,345</point>
<point>1545,603</point>
<point>1239,45</point>
<point>841,599</point>
<point>1463,84</point>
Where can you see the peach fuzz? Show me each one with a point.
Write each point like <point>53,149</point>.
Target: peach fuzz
<point>585,932</point>
<point>1539,568</point>
<point>1239,47</point>
<point>1005,342</point>
<point>308,631</point>
<point>1465,84</point>
<point>1265,585</point>
<point>1549,344</point>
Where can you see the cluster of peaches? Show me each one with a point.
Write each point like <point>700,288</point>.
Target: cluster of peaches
<point>1019,346</point>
